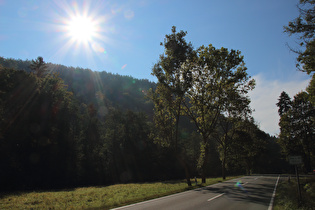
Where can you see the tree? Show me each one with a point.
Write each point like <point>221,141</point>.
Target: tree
<point>304,27</point>
<point>228,126</point>
<point>39,134</point>
<point>250,143</point>
<point>224,135</point>
<point>219,84</point>
<point>172,83</point>
<point>171,88</point>
<point>39,66</point>
<point>284,103</point>
<point>52,137</point>
<point>297,129</point>
<point>311,90</point>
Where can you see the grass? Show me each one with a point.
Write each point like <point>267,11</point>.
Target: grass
<point>287,194</point>
<point>97,197</point>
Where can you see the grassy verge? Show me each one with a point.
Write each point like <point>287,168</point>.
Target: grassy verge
<point>97,197</point>
<point>287,194</point>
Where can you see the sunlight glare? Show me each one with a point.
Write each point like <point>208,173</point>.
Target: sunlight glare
<point>82,29</point>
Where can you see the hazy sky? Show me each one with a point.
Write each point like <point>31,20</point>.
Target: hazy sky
<point>123,37</point>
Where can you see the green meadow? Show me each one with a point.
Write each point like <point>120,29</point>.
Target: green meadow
<point>97,197</point>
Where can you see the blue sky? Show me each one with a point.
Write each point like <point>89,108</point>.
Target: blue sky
<point>128,33</point>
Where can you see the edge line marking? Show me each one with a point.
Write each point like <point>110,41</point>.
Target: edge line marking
<point>273,195</point>
<point>216,197</point>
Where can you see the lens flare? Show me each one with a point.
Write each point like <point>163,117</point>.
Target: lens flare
<point>240,186</point>
<point>124,66</point>
<point>98,48</point>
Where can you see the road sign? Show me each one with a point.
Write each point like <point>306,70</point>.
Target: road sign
<point>295,160</point>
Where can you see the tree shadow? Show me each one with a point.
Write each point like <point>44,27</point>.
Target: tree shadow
<point>252,192</point>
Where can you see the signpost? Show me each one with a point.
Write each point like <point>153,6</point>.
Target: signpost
<point>296,160</point>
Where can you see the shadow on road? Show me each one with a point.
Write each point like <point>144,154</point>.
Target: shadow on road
<point>248,192</point>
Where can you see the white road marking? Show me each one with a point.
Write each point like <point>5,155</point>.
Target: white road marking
<point>216,197</point>
<point>273,195</point>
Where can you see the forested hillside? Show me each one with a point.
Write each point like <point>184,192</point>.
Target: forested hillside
<point>101,89</point>
<point>65,127</point>
<point>53,137</point>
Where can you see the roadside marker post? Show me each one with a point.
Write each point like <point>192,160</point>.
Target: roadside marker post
<point>296,160</point>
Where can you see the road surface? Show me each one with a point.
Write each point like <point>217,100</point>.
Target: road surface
<point>248,192</point>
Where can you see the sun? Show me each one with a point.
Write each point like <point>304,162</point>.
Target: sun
<point>81,29</point>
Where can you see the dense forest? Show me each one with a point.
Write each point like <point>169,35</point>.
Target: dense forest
<point>66,127</point>
<point>75,127</point>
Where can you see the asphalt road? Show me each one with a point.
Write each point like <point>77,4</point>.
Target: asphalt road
<point>249,192</point>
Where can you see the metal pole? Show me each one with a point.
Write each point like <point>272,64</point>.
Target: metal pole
<point>298,182</point>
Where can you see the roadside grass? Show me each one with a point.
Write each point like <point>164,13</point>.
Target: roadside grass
<point>287,194</point>
<point>98,197</point>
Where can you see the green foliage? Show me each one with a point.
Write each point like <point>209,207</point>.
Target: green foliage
<point>49,139</point>
<point>249,144</point>
<point>74,127</point>
<point>216,87</point>
<point>170,91</point>
<point>165,117</point>
<point>310,189</point>
<point>39,67</point>
<point>284,103</point>
<point>38,127</point>
<point>177,51</point>
<point>271,160</point>
<point>304,27</point>
<point>287,194</point>
<point>17,64</point>
<point>106,90</point>
<point>225,134</point>
<point>202,84</point>
<point>311,90</point>
<point>219,85</point>
<point>171,88</point>
<point>297,127</point>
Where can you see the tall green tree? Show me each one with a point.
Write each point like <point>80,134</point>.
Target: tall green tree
<point>304,27</point>
<point>219,83</point>
<point>297,129</point>
<point>39,67</point>
<point>170,92</point>
<point>228,126</point>
<point>284,103</point>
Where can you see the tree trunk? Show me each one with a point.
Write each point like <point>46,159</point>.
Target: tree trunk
<point>223,164</point>
<point>185,166</point>
<point>187,174</point>
<point>203,170</point>
<point>176,126</point>
<point>248,168</point>
<point>203,176</point>
<point>179,158</point>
